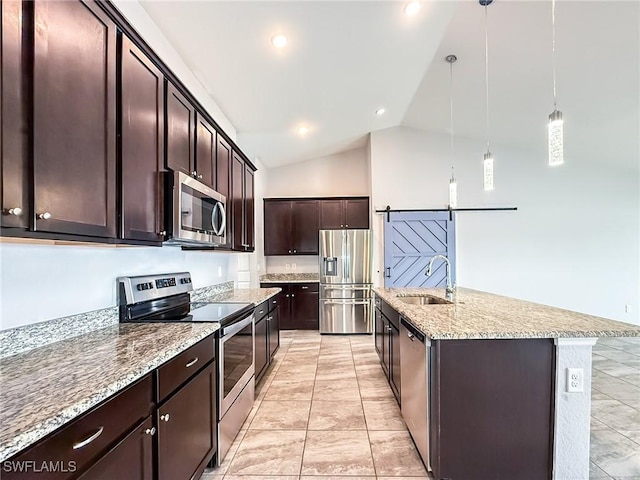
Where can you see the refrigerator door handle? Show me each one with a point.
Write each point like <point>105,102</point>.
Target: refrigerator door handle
<point>346,302</point>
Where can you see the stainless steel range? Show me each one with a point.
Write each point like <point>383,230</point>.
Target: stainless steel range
<point>166,298</point>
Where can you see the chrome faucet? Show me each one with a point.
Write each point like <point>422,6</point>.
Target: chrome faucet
<point>450,288</point>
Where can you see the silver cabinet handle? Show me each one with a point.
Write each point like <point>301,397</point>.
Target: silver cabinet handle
<point>341,226</point>
<point>163,233</point>
<point>194,174</point>
<point>289,251</point>
<point>17,211</point>
<point>260,312</point>
<point>411,336</point>
<point>287,295</point>
<point>304,288</point>
<point>347,226</point>
<point>150,431</point>
<point>192,362</point>
<point>275,301</point>
<point>44,216</point>
<point>199,177</point>
<point>165,417</point>
<point>89,439</point>
<point>293,295</point>
<point>295,251</point>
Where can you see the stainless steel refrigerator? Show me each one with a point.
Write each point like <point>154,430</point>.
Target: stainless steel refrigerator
<point>345,281</point>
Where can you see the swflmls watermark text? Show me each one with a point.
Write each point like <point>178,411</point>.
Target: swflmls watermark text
<point>33,466</point>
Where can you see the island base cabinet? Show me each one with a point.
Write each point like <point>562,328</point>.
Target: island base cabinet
<point>186,428</point>
<point>132,458</point>
<point>492,409</point>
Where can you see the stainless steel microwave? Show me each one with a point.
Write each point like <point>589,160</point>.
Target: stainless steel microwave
<point>196,213</point>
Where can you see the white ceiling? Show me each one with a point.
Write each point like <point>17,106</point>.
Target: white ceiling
<point>346,59</point>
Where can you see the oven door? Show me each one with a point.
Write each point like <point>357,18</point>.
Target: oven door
<point>199,212</point>
<point>236,361</point>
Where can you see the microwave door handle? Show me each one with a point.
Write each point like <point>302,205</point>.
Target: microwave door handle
<point>218,207</point>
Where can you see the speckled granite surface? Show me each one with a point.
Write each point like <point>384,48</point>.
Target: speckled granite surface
<point>22,339</point>
<point>47,387</point>
<point>477,315</point>
<point>201,294</point>
<point>289,278</point>
<point>243,295</point>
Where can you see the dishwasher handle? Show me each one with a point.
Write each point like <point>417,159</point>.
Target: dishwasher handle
<point>413,333</point>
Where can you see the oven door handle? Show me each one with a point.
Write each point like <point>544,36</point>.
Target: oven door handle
<point>236,327</point>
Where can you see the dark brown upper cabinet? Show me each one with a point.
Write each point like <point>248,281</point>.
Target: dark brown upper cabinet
<point>291,227</point>
<point>180,132</point>
<point>344,213</point>
<point>142,87</point>
<point>223,181</point>
<point>205,152</point>
<point>242,205</point>
<point>13,119</point>
<point>74,123</point>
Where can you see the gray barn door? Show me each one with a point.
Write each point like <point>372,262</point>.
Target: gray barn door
<point>410,240</point>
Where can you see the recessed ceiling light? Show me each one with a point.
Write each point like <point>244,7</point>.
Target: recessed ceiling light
<point>303,131</point>
<point>279,40</point>
<point>380,112</point>
<point>411,8</point>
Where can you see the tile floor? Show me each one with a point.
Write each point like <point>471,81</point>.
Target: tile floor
<point>324,410</point>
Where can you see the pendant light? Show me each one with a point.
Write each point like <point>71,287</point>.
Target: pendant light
<point>556,141</point>
<point>487,162</point>
<point>453,185</point>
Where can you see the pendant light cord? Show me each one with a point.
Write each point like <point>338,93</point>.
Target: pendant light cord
<point>451,112</point>
<point>486,68</point>
<point>553,48</point>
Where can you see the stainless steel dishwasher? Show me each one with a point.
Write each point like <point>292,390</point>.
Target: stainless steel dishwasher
<point>414,386</point>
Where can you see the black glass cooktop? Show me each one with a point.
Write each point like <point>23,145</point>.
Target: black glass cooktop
<point>216,312</point>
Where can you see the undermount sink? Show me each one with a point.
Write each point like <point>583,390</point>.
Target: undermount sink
<point>424,300</point>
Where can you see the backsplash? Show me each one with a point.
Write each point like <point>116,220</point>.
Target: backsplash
<point>296,263</point>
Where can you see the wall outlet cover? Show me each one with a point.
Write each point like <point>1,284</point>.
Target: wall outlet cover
<point>287,266</point>
<point>220,272</point>
<point>575,380</point>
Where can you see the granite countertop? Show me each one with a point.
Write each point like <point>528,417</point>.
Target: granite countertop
<point>243,295</point>
<point>44,388</point>
<point>290,278</point>
<point>477,315</point>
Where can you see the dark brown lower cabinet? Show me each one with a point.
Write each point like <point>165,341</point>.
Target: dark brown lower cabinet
<point>492,409</point>
<point>299,305</point>
<point>186,428</point>
<point>131,459</point>
<point>274,331</point>
<point>261,351</point>
<point>387,333</point>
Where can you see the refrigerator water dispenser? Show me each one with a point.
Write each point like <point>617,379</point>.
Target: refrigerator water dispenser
<point>330,266</point>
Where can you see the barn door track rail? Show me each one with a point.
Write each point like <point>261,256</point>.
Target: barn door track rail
<point>388,211</point>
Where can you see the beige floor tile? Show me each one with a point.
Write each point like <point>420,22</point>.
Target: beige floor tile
<point>375,389</point>
<point>333,477</point>
<point>337,453</point>
<point>281,415</point>
<point>269,453</point>
<point>335,372</point>
<point>336,390</point>
<point>341,415</point>
<point>394,454</point>
<point>260,477</point>
<point>296,372</point>
<point>383,414</point>
<point>290,390</point>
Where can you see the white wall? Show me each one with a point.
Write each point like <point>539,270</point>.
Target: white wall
<point>335,175</point>
<point>293,264</point>
<point>573,243</point>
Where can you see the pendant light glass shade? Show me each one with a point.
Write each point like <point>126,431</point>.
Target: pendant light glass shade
<point>556,140</point>
<point>453,193</point>
<point>487,166</point>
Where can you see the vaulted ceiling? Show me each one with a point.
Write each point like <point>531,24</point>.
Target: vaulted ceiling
<point>344,60</point>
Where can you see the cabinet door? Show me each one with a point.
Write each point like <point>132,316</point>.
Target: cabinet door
<point>356,213</point>
<point>186,428</point>
<point>142,87</point>
<point>331,214</point>
<point>386,338</point>
<point>180,131</point>
<point>237,202</point>
<point>277,227</point>
<point>261,349</point>
<point>132,458</point>
<point>205,152</point>
<point>74,119</point>
<point>380,326</point>
<point>305,215</point>
<point>13,121</point>
<point>249,209</point>
<point>274,331</point>
<point>304,307</point>
<point>394,360</point>
<point>223,181</point>
<point>283,300</point>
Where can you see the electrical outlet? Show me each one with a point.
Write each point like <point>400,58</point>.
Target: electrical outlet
<point>627,308</point>
<point>575,380</point>
<point>220,272</point>
<point>257,267</point>
<point>293,266</point>
<point>287,266</point>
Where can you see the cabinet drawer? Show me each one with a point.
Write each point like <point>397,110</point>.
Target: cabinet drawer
<point>87,438</point>
<point>262,309</point>
<point>179,369</point>
<point>304,287</point>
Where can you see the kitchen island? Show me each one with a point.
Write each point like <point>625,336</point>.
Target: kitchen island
<point>497,380</point>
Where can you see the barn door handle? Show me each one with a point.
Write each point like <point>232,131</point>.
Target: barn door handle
<point>388,272</point>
